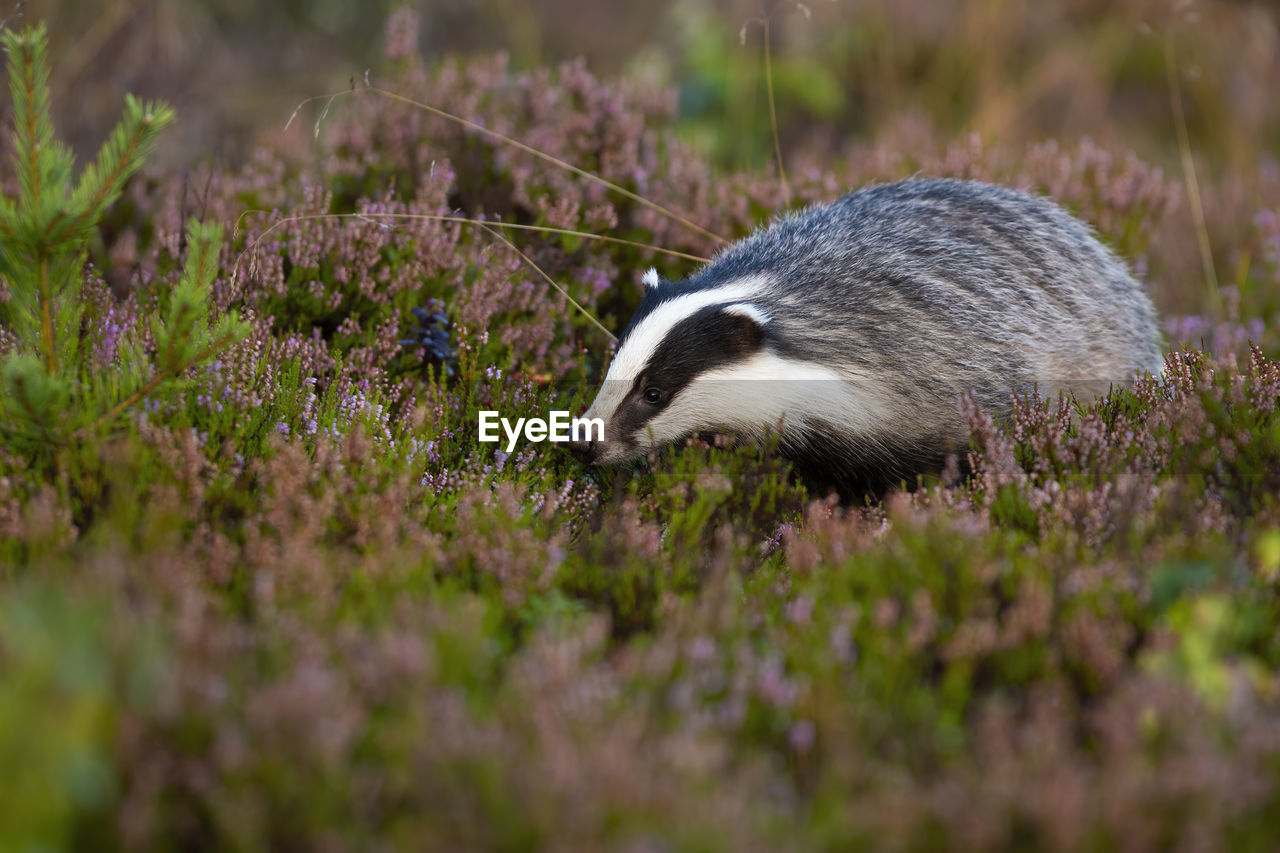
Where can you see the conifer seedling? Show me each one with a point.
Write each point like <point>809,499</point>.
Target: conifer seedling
<point>49,393</point>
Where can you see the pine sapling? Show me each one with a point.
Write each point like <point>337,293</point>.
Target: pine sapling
<point>48,393</point>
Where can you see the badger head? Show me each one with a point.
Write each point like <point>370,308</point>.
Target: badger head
<point>668,376</point>
<point>696,358</point>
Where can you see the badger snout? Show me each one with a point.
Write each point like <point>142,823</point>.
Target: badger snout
<point>585,444</point>
<point>586,451</point>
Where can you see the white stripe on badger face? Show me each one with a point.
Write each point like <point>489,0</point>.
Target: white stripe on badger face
<point>645,338</point>
<point>767,391</point>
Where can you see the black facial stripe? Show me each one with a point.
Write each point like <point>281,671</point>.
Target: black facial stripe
<point>706,340</point>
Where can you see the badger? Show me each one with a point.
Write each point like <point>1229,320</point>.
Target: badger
<point>853,330</point>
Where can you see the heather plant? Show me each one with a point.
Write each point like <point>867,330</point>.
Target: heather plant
<point>50,392</point>
<point>292,600</point>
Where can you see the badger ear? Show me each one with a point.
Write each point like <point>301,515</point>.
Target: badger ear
<point>746,309</point>
<point>651,279</point>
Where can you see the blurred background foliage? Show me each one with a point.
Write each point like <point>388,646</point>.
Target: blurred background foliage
<point>865,89</point>
<point>845,72</point>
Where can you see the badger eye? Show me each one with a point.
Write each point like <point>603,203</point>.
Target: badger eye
<point>652,395</point>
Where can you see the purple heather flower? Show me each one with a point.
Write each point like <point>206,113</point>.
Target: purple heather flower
<point>802,735</point>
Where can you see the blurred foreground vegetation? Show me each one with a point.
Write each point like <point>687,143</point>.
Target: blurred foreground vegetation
<point>287,600</point>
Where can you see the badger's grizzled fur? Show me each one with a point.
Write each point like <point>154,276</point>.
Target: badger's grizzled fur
<point>855,327</point>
